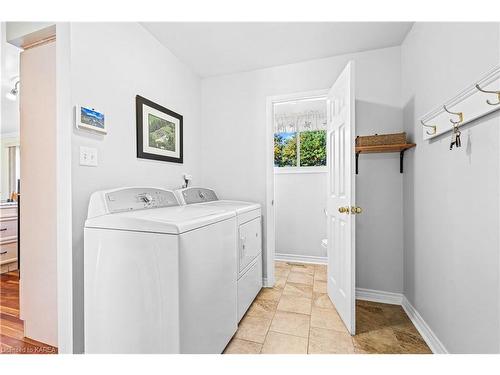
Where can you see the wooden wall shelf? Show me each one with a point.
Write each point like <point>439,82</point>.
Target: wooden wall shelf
<point>401,148</point>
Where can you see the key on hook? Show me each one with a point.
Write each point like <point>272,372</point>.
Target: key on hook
<point>455,138</point>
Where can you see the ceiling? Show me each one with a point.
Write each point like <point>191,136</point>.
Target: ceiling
<point>217,48</point>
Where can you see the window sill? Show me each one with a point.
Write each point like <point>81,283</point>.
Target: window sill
<point>299,170</point>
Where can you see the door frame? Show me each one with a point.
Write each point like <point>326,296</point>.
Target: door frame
<point>64,237</point>
<point>270,224</point>
<point>64,240</point>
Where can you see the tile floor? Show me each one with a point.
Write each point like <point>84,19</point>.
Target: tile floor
<point>296,316</point>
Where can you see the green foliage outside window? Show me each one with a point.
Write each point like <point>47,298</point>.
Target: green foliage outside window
<point>285,149</point>
<point>312,149</point>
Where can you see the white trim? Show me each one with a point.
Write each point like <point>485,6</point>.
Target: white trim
<point>14,135</point>
<point>63,195</point>
<point>269,223</point>
<point>301,258</point>
<point>300,170</point>
<point>379,296</point>
<point>266,284</point>
<point>423,328</point>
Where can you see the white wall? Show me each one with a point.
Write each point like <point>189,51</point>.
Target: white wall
<point>110,64</point>
<point>234,155</point>
<point>451,200</point>
<point>38,285</point>
<point>300,199</point>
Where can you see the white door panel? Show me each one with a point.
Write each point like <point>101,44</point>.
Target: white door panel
<point>341,194</point>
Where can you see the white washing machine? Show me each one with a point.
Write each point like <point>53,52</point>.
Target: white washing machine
<point>159,277</point>
<point>249,245</point>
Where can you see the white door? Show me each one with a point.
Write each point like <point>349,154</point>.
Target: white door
<point>341,197</point>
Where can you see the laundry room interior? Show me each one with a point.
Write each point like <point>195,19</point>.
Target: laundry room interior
<point>305,199</point>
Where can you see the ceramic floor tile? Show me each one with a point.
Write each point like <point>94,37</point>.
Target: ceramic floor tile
<point>279,282</point>
<point>262,308</point>
<point>272,294</point>
<point>382,341</point>
<point>291,323</point>
<point>279,343</point>
<point>319,286</point>
<point>394,314</point>
<point>320,276</point>
<point>300,278</point>
<point>328,319</point>
<point>303,268</point>
<point>300,290</point>
<point>281,272</point>
<point>322,300</point>
<point>282,264</point>
<point>237,346</point>
<point>320,267</point>
<point>327,341</point>
<point>301,305</point>
<point>278,320</point>
<point>410,340</point>
<point>253,328</point>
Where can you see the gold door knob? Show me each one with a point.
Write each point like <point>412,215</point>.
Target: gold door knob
<point>344,210</point>
<point>356,210</point>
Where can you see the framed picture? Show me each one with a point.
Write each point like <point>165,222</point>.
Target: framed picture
<point>90,119</point>
<point>159,132</point>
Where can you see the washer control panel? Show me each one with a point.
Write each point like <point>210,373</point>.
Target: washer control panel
<point>129,199</point>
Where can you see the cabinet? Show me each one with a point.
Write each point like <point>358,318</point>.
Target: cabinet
<point>8,238</point>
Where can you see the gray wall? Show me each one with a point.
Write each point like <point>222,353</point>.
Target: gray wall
<point>451,198</point>
<point>233,148</point>
<point>110,64</point>
<point>379,191</point>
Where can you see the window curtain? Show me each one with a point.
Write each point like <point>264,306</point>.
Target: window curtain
<point>299,122</point>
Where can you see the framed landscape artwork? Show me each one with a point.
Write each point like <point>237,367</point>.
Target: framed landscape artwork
<point>90,119</point>
<point>159,132</point>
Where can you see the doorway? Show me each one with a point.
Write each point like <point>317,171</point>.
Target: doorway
<point>315,130</point>
<point>296,154</point>
<point>33,305</point>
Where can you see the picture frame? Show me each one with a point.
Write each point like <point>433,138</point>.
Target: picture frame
<point>159,132</point>
<point>89,118</point>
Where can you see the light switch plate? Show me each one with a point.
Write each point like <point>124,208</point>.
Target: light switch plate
<point>88,156</point>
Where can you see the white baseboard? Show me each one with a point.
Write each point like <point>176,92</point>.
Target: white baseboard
<point>266,283</point>
<point>425,331</point>
<point>301,258</point>
<point>379,296</point>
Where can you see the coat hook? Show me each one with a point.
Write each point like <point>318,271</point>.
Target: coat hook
<point>433,127</point>
<point>459,114</point>
<point>490,92</point>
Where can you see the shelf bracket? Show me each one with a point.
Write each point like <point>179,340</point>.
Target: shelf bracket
<point>401,156</point>
<point>357,157</point>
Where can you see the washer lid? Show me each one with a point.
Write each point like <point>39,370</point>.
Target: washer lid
<point>170,220</point>
<point>238,206</point>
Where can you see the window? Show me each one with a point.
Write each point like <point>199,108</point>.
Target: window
<point>300,133</point>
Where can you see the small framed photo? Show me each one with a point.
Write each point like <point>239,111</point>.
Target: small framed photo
<point>159,132</point>
<point>90,118</point>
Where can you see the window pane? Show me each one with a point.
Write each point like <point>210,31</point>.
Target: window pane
<point>285,149</point>
<point>313,148</point>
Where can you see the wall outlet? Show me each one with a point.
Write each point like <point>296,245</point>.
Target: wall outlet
<point>88,156</point>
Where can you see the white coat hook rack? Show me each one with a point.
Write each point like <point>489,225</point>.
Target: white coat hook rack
<point>475,101</point>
